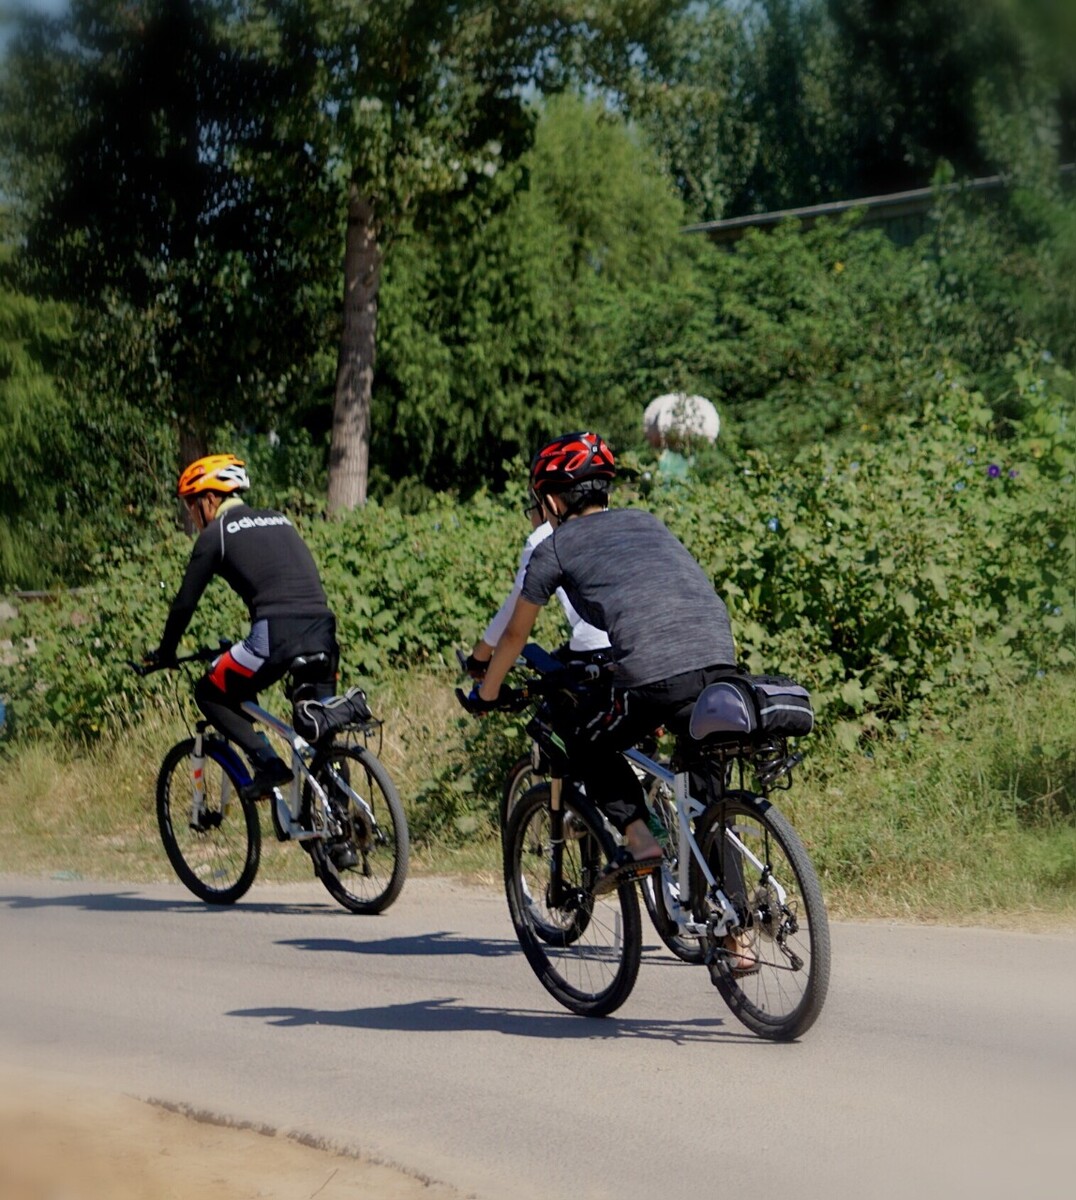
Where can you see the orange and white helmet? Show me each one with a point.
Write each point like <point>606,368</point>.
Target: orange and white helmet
<point>214,473</point>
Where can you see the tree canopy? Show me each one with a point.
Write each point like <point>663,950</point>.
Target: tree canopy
<point>385,247</point>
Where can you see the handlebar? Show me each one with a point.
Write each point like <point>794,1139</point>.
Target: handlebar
<point>204,654</point>
<point>553,676</point>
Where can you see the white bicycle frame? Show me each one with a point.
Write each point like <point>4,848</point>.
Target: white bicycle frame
<point>688,808</point>
<point>287,807</point>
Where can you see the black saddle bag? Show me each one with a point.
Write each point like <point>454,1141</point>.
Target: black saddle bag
<point>745,705</point>
<point>313,719</point>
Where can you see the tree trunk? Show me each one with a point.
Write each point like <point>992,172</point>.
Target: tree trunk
<point>192,445</point>
<point>349,452</point>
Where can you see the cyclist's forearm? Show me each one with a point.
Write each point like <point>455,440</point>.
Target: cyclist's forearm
<point>510,644</point>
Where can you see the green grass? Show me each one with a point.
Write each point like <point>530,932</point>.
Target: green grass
<point>971,825</point>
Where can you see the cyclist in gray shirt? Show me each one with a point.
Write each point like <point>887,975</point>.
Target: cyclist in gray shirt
<point>624,572</point>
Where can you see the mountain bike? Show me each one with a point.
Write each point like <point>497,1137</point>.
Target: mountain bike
<point>340,806</point>
<point>745,888</point>
<point>532,769</point>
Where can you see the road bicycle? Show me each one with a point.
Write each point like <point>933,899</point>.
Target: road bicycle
<point>340,806</point>
<point>741,885</point>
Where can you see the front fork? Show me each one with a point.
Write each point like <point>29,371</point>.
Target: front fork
<point>556,842</point>
<point>198,802</point>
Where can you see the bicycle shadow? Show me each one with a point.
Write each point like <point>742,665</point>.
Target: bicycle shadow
<point>444,943</point>
<point>446,1015</point>
<point>137,902</point>
<point>441,943</point>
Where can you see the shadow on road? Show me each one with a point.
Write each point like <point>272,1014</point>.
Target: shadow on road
<point>135,902</point>
<point>448,1016</point>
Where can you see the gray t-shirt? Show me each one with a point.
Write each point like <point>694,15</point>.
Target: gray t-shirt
<point>625,573</point>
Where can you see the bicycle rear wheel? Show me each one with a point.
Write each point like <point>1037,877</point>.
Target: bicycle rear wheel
<point>585,949</point>
<point>378,833</point>
<point>216,853</point>
<point>764,870</point>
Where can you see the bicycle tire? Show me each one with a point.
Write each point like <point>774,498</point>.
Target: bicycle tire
<point>655,886</point>
<point>383,852</point>
<point>217,861</point>
<point>521,777</point>
<point>591,967</point>
<point>790,942</point>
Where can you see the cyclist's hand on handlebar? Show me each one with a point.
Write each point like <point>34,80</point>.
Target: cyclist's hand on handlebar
<point>509,699</point>
<point>474,703</point>
<point>475,667</point>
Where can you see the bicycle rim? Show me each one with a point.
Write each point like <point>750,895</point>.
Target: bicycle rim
<point>217,855</point>
<point>585,950</point>
<point>381,848</point>
<point>787,938</point>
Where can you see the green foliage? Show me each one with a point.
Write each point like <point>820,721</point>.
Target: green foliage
<point>35,440</point>
<point>932,562</point>
<point>129,145</point>
<point>494,340</point>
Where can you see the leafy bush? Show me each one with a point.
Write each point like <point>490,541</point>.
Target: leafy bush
<point>929,563</point>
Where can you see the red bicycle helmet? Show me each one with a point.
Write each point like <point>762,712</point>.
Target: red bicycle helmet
<point>571,459</point>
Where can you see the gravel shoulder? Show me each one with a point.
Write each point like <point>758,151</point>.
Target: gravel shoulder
<point>61,1139</point>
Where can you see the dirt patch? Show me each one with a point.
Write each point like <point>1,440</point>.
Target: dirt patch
<point>65,1141</point>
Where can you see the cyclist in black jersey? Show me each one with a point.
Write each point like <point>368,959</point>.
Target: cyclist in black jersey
<point>260,555</point>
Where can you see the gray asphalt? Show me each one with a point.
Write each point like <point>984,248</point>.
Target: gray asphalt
<point>944,1062</point>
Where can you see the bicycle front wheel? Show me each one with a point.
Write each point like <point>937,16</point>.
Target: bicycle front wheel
<point>373,840</point>
<point>214,847</point>
<point>521,777</point>
<point>774,972</point>
<point>585,949</point>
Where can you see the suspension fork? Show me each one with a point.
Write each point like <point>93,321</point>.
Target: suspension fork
<point>556,841</point>
<point>198,776</point>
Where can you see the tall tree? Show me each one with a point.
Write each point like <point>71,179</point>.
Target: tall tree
<point>496,337</point>
<point>411,104</point>
<point>127,135</point>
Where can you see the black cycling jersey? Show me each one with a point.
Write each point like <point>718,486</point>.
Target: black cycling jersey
<point>261,556</point>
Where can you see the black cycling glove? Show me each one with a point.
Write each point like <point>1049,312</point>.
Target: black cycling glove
<point>475,667</point>
<point>474,703</point>
<point>158,660</point>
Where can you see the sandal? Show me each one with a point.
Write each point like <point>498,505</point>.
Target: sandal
<point>740,960</point>
<point>623,868</point>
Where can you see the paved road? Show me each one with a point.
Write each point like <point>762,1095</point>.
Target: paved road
<point>944,1063</point>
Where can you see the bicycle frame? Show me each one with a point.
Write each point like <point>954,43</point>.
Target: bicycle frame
<point>302,754</point>
<point>688,808</point>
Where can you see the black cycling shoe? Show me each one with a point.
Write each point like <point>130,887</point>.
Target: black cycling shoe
<point>343,856</point>
<point>268,776</point>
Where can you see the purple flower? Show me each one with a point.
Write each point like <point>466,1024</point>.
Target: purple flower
<point>993,471</point>
<point>1013,473</point>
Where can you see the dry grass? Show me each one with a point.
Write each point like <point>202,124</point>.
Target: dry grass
<point>971,826</point>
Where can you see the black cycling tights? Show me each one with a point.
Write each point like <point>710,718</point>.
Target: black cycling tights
<point>615,722</point>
